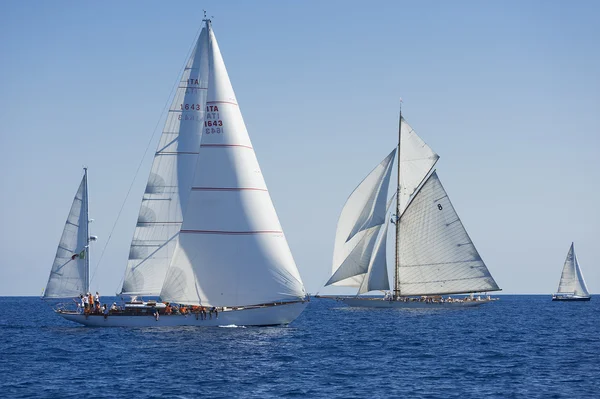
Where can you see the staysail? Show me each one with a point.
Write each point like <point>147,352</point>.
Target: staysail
<point>437,255</point>
<point>231,249</point>
<point>168,188</point>
<point>571,279</point>
<point>359,224</point>
<point>69,276</point>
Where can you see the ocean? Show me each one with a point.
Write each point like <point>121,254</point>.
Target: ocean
<point>522,346</point>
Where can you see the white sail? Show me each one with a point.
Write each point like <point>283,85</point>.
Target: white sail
<point>167,191</point>
<point>364,209</point>
<point>416,161</point>
<point>231,249</point>
<point>376,277</point>
<point>571,279</point>
<point>70,271</point>
<point>358,260</point>
<point>437,255</point>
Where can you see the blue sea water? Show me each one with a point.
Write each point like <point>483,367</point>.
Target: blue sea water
<point>520,346</point>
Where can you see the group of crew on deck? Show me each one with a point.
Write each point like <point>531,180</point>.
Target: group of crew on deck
<point>201,312</point>
<point>434,298</point>
<point>89,304</point>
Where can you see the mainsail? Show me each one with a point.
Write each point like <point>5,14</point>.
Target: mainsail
<point>231,249</point>
<point>168,188</point>
<point>69,276</point>
<point>437,255</point>
<point>571,279</point>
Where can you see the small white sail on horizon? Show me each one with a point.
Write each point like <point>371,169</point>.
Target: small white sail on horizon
<point>69,276</point>
<point>571,279</point>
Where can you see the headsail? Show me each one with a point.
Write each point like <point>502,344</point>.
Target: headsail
<point>355,235</point>
<point>231,249</point>
<point>437,255</point>
<point>69,276</point>
<point>416,161</point>
<point>571,279</point>
<point>167,191</point>
<point>376,277</point>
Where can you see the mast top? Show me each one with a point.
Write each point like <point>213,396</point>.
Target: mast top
<point>206,19</point>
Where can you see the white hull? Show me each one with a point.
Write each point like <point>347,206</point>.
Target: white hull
<point>262,316</point>
<point>381,303</point>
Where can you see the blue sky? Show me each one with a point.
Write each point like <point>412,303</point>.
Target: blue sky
<point>507,93</point>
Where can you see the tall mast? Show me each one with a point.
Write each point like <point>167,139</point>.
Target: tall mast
<point>397,262</point>
<point>87,231</point>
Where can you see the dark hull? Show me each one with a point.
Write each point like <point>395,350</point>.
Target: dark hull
<point>567,299</point>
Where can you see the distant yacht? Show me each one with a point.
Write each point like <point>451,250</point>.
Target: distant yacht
<point>434,255</point>
<point>572,285</point>
<point>70,273</point>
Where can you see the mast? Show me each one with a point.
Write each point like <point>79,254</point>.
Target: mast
<point>87,232</point>
<point>397,262</point>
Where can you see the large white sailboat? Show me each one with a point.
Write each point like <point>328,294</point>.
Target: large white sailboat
<point>207,234</point>
<point>434,255</point>
<point>572,286</point>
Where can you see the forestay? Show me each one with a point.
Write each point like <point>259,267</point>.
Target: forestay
<point>571,279</point>
<point>168,188</point>
<point>70,270</point>
<point>437,255</point>
<point>231,249</point>
<point>359,223</point>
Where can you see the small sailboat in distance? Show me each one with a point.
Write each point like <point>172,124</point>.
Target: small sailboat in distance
<point>572,286</point>
<point>434,255</point>
<point>70,273</point>
<point>207,239</point>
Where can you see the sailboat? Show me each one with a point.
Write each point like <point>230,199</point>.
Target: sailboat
<point>434,255</point>
<point>207,237</point>
<point>70,273</point>
<point>572,286</point>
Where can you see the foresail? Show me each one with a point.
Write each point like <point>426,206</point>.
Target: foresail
<point>358,260</point>
<point>376,277</point>
<point>571,279</point>
<point>364,209</point>
<point>366,206</point>
<point>69,274</point>
<point>437,255</point>
<point>231,249</point>
<point>580,287</point>
<point>416,161</point>
<point>167,191</point>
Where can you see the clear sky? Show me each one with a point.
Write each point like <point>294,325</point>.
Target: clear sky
<point>506,92</point>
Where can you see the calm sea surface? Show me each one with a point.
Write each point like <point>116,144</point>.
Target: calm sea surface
<point>520,346</point>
